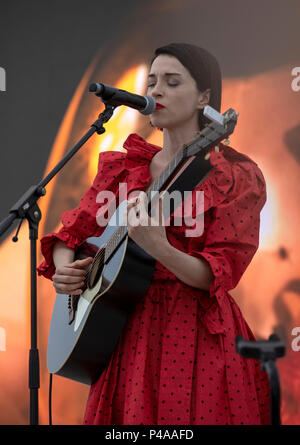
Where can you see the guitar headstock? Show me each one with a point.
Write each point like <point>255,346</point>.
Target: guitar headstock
<point>221,126</point>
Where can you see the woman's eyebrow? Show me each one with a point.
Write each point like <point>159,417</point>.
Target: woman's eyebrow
<point>166,74</point>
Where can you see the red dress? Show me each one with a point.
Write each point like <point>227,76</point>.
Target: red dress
<point>175,362</point>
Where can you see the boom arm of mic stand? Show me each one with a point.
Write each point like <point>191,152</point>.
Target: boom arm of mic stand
<point>7,222</point>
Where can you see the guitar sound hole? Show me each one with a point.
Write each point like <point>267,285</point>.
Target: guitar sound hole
<point>95,271</point>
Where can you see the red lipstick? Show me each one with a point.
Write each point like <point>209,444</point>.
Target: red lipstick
<point>159,106</point>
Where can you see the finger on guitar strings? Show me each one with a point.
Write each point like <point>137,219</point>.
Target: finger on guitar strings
<point>82,262</point>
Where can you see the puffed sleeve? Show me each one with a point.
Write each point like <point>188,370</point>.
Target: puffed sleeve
<point>81,223</point>
<point>235,194</point>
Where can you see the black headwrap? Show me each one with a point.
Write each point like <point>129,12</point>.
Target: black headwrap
<point>203,67</point>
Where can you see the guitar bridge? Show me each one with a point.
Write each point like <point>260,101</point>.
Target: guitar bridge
<point>72,307</point>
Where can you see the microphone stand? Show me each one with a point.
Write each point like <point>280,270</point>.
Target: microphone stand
<point>26,208</point>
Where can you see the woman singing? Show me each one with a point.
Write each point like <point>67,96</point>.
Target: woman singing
<point>175,362</point>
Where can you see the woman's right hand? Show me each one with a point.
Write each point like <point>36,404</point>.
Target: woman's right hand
<point>69,279</point>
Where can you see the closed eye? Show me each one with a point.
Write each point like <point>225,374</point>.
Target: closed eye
<point>170,84</point>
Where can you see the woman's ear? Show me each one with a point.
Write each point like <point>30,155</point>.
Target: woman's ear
<point>204,97</point>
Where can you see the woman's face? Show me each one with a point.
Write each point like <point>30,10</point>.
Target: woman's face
<point>171,84</point>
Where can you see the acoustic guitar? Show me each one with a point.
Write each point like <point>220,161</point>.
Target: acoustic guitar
<point>85,329</point>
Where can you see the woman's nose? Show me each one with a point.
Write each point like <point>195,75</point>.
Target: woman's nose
<point>156,91</point>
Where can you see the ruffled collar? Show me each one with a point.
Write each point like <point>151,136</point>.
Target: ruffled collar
<point>140,153</point>
<point>138,148</point>
<point>227,154</point>
<point>137,161</point>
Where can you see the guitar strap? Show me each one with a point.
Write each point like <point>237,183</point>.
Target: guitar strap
<point>192,176</point>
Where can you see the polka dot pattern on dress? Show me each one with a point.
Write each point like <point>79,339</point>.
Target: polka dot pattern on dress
<point>175,362</point>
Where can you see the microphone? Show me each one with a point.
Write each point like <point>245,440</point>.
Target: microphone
<point>115,96</point>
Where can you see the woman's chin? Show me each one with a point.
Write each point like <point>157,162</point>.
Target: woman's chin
<point>157,123</point>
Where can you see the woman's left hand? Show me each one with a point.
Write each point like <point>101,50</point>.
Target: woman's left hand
<point>148,232</point>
